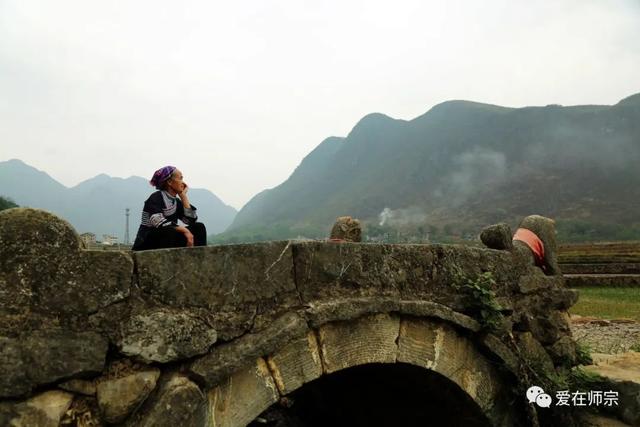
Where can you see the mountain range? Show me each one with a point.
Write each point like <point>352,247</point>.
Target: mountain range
<point>98,204</point>
<point>461,166</point>
<point>451,171</point>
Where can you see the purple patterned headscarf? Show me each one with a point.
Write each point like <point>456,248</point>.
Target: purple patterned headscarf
<point>161,175</point>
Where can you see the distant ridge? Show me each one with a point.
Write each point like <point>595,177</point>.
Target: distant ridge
<point>633,100</point>
<point>463,165</point>
<point>97,204</point>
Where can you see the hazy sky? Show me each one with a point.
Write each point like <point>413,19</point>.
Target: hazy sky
<point>237,93</point>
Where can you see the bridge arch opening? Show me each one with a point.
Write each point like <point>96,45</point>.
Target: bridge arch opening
<point>381,366</point>
<point>381,394</point>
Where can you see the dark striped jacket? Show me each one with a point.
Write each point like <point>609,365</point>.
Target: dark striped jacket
<point>163,210</point>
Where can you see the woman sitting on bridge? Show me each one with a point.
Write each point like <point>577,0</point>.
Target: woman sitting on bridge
<point>162,210</point>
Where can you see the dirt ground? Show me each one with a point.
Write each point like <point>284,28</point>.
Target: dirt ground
<point>606,336</point>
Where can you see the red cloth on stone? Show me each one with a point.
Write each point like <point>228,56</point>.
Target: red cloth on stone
<point>534,243</point>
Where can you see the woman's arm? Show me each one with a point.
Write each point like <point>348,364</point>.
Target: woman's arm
<point>188,214</point>
<point>183,196</point>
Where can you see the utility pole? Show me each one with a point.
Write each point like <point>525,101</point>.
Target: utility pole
<point>126,231</point>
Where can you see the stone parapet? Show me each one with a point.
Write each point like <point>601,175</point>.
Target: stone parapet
<point>185,324</point>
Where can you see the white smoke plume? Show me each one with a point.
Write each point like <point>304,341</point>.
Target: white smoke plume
<point>401,217</point>
<point>474,170</point>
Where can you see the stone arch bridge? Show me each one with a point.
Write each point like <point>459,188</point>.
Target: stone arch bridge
<point>269,333</point>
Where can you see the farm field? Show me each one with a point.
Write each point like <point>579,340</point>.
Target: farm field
<point>599,253</point>
<point>607,276</point>
<point>608,303</point>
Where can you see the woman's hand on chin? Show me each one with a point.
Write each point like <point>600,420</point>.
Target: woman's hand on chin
<point>184,190</point>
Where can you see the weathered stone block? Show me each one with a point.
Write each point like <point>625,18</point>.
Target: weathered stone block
<point>44,410</point>
<point>534,353</point>
<point>242,397</point>
<point>47,356</point>
<point>163,335</point>
<point>533,283</point>
<point>43,269</point>
<point>321,312</point>
<point>439,347</point>
<point>497,236</point>
<point>436,346</point>
<point>119,397</point>
<point>563,299</point>
<point>347,229</point>
<point>296,364</point>
<point>96,280</point>
<point>563,351</point>
<point>495,346</point>
<point>14,380</point>
<point>227,358</point>
<point>544,293</point>
<point>215,276</point>
<point>327,271</point>
<point>85,387</point>
<point>369,339</point>
<point>178,402</point>
<point>548,329</point>
<point>419,342</point>
<point>243,283</point>
<point>438,311</point>
<point>330,272</point>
